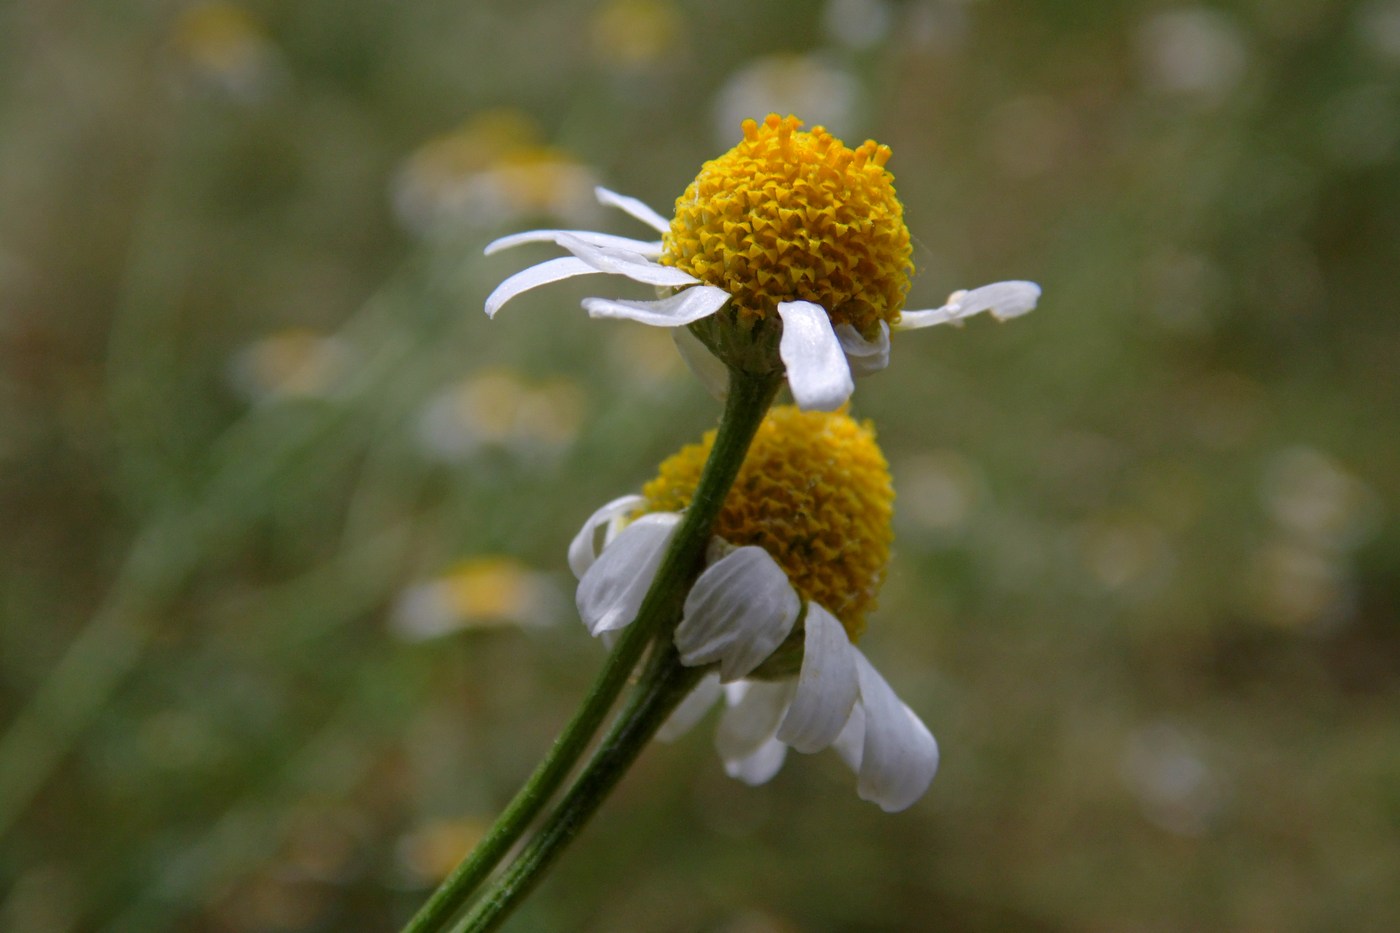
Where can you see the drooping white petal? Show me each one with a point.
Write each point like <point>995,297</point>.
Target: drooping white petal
<point>760,766</point>
<point>827,687</point>
<point>611,591</point>
<point>1005,300</point>
<point>817,371</point>
<point>707,367</point>
<point>684,307</point>
<point>737,613</point>
<point>914,320</point>
<point>633,207</point>
<point>850,744</point>
<point>583,550</point>
<point>692,709</point>
<point>640,247</point>
<point>754,710</point>
<point>551,270</point>
<point>625,262</point>
<point>864,356</point>
<point>899,755</point>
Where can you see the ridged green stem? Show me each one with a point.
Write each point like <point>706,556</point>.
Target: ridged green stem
<point>747,403</point>
<point>664,685</point>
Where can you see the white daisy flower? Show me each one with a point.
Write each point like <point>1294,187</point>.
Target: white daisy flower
<point>791,573</point>
<point>791,243</point>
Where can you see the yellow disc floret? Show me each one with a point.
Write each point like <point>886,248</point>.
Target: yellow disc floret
<point>815,493</point>
<point>789,215</point>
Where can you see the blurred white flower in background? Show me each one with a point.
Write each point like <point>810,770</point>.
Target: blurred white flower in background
<point>1125,554</point>
<point>226,48</point>
<point>492,170</point>
<point>499,408</point>
<point>1301,577</point>
<point>480,592</point>
<point>822,92</point>
<point>428,852</point>
<point>636,35</point>
<point>1312,497</point>
<point>1378,29</point>
<point>940,26</point>
<point>1176,786</point>
<point>292,363</point>
<point>858,24</point>
<point>1193,52</point>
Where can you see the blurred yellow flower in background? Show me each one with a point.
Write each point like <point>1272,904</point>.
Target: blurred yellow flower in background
<point>226,47</point>
<point>500,408</point>
<point>292,363</point>
<point>493,169</point>
<point>635,34</point>
<point>479,592</point>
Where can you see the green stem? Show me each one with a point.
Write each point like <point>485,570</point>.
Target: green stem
<point>748,401</point>
<point>663,686</point>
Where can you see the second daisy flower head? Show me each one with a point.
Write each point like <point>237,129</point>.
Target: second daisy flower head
<point>787,253</point>
<point>795,565</point>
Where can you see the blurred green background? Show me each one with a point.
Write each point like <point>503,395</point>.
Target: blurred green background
<point>284,611</point>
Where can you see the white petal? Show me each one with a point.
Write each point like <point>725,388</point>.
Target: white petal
<point>611,591</point>
<point>692,709</point>
<point>827,687</point>
<point>737,613</point>
<point>758,767</point>
<point>755,709</point>
<point>633,207</point>
<point>1005,300</point>
<point>640,247</point>
<point>850,744</point>
<point>914,320</point>
<point>707,367</point>
<point>817,371</point>
<point>583,549</point>
<point>899,756</point>
<point>625,262</point>
<point>684,307</point>
<point>863,356</point>
<point>552,270</point>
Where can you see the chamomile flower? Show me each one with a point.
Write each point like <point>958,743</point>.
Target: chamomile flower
<point>789,252</point>
<point>800,550</point>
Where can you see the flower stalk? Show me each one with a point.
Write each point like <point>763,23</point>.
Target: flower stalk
<point>664,684</point>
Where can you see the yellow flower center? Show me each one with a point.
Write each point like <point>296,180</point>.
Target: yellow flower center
<point>788,215</point>
<point>815,493</point>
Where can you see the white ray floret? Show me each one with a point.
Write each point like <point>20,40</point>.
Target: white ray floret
<point>864,356</point>
<point>898,755</point>
<point>745,735</point>
<point>611,591</point>
<point>692,709</point>
<point>627,263</point>
<point>651,248</point>
<point>737,614</point>
<point>583,549</point>
<point>818,374</point>
<point>821,360</point>
<point>553,270</point>
<point>740,610</point>
<point>634,207</point>
<point>1005,300</point>
<point>682,308</point>
<point>827,687</point>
